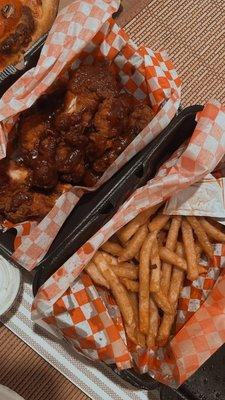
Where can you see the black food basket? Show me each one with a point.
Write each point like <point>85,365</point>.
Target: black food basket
<point>93,211</point>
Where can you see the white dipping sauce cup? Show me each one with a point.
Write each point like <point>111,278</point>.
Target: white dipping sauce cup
<point>8,394</point>
<point>10,280</point>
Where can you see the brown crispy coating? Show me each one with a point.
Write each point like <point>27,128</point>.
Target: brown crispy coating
<point>140,118</point>
<point>113,114</point>
<point>25,205</point>
<point>94,79</point>
<point>75,142</point>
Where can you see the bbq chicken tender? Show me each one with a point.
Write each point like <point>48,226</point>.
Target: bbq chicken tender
<point>31,130</point>
<point>94,79</point>
<point>140,118</point>
<point>68,137</point>
<point>78,112</point>
<point>17,174</point>
<point>113,115</point>
<point>70,164</point>
<point>22,204</point>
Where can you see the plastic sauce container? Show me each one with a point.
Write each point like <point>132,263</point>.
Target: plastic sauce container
<point>10,280</point>
<point>8,394</point>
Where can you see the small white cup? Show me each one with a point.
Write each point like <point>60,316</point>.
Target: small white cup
<point>10,279</point>
<point>8,394</point>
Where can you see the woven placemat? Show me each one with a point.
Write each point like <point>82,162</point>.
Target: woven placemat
<point>27,373</point>
<point>193,34</point>
<point>22,375</point>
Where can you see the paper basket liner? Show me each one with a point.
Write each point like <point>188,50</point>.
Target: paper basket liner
<point>69,304</point>
<point>83,32</point>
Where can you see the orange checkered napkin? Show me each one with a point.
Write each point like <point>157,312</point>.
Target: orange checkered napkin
<point>84,32</point>
<point>69,304</point>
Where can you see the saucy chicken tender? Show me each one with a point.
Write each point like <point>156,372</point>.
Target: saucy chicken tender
<point>45,174</point>
<point>113,115</point>
<point>68,137</point>
<point>31,130</point>
<point>94,79</point>
<point>25,205</point>
<point>70,164</point>
<point>140,118</point>
<point>78,111</point>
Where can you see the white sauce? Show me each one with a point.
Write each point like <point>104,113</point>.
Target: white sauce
<point>9,284</point>
<point>8,394</point>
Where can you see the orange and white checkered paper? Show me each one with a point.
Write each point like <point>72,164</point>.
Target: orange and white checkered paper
<point>69,304</point>
<point>82,33</point>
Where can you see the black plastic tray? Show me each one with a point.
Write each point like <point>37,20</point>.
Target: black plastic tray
<point>208,383</point>
<point>94,210</point>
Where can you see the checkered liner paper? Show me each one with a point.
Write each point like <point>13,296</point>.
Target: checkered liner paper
<point>70,305</point>
<point>82,33</point>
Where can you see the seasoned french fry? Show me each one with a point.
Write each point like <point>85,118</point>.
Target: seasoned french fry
<point>158,222</point>
<point>134,244</point>
<point>162,302</point>
<point>173,233</point>
<point>113,248</point>
<point>156,272</point>
<point>118,290</point>
<point>153,324</point>
<point>113,261</point>
<point>160,299</point>
<point>176,285</point>
<point>133,286</point>
<point>131,331</point>
<point>180,249</point>
<point>109,258</point>
<point>189,248</point>
<point>125,272</point>
<point>134,301</point>
<point>198,251</point>
<point>201,235</point>
<point>177,279</point>
<point>165,329</point>
<point>172,258</point>
<point>96,275</point>
<point>144,275</point>
<point>171,245</point>
<point>212,231</point>
<point>125,233</point>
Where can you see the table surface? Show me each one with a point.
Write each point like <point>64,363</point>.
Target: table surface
<point>192,34</point>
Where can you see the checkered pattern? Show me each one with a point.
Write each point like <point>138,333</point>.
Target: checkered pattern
<point>89,325</point>
<point>84,32</point>
<point>200,322</point>
<point>40,236</point>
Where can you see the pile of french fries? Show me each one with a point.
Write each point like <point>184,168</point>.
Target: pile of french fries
<point>144,266</point>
